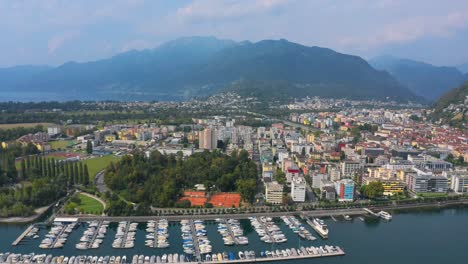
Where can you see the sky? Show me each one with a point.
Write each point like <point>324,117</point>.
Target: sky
<point>53,32</point>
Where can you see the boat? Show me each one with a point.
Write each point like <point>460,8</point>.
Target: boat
<point>347,217</point>
<point>241,255</point>
<point>384,215</point>
<point>319,226</point>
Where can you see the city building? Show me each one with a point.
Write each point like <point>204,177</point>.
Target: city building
<point>425,181</point>
<point>317,180</point>
<point>328,193</point>
<point>345,190</point>
<point>350,167</point>
<point>459,181</point>
<point>273,193</point>
<point>298,189</point>
<point>208,139</point>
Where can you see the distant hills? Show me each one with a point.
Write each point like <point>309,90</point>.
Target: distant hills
<point>463,68</point>
<point>199,66</point>
<point>421,78</point>
<point>452,107</point>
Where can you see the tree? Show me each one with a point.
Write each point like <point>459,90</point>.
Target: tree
<point>85,175</point>
<point>89,147</point>
<point>247,189</point>
<point>373,189</point>
<point>279,176</point>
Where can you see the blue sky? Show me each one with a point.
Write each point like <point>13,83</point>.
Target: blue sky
<point>56,31</point>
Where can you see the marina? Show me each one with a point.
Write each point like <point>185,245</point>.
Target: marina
<point>93,236</point>
<point>297,227</point>
<point>243,257</point>
<point>31,231</point>
<point>232,232</point>
<point>157,234</point>
<point>370,231</point>
<point>57,235</point>
<point>125,237</point>
<point>268,231</point>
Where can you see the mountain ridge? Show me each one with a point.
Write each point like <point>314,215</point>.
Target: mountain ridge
<point>421,78</point>
<point>195,66</point>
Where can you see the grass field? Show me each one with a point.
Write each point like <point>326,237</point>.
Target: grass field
<point>59,144</point>
<point>26,125</point>
<point>432,195</point>
<point>95,165</point>
<point>89,205</point>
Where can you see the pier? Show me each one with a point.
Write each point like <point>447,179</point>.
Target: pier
<point>58,237</point>
<point>339,252</point>
<point>231,233</point>
<point>124,238</point>
<point>91,242</point>
<point>23,235</point>
<point>336,252</point>
<point>196,246</point>
<point>370,212</point>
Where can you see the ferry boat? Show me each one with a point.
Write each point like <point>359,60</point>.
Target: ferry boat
<point>319,226</point>
<point>384,215</point>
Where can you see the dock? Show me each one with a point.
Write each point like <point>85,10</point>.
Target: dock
<point>22,236</point>
<point>334,254</point>
<point>337,252</point>
<point>57,238</point>
<point>231,233</point>
<point>196,246</point>
<point>370,212</point>
<point>124,238</point>
<point>91,242</point>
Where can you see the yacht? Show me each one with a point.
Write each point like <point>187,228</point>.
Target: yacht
<point>319,226</point>
<point>384,215</point>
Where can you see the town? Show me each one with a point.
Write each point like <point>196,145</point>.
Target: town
<point>343,152</point>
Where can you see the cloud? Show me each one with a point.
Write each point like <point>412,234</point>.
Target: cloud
<point>59,40</point>
<point>410,29</point>
<point>218,9</point>
<point>137,44</point>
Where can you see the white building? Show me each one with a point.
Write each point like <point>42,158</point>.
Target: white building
<point>317,179</point>
<point>274,192</point>
<point>459,183</point>
<point>54,130</point>
<point>349,167</point>
<point>298,189</point>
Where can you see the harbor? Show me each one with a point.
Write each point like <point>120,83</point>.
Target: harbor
<point>342,234</point>
<point>244,257</point>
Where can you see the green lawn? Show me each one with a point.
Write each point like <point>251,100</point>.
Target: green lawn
<point>60,144</point>
<point>432,195</point>
<point>95,165</point>
<point>89,205</point>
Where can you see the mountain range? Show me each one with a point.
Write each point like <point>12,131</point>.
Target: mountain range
<point>463,68</point>
<point>199,66</point>
<point>421,78</point>
<point>452,107</point>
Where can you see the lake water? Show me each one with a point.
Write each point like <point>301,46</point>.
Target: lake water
<point>426,236</point>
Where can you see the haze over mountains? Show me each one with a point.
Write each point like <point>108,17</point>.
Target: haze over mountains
<point>199,66</point>
<point>421,78</point>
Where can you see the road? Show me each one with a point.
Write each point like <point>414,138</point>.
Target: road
<point>99,181</point>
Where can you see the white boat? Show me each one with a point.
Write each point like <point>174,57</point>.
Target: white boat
<point>319,226</point>
<point>384,215</point>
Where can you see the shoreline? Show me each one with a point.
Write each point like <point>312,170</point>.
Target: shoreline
<point>312,213</point>
<point>26,219</point>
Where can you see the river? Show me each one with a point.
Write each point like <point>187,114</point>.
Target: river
<point>417,236</point>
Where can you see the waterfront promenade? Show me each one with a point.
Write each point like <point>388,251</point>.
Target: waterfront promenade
<point>312,213</point>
